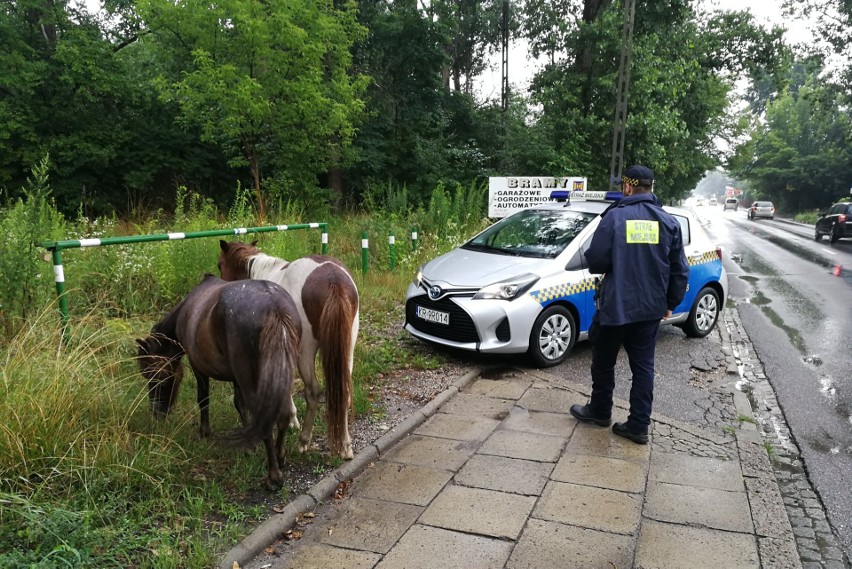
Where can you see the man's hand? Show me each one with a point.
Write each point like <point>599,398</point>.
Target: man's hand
<point>667,315</point>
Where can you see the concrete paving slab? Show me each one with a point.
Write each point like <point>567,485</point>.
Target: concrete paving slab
<point>431,452</point>
<point>753,459</point>
<point>690,470</point>
<point>778,553</point>
<point>319,556</point>
<point>424,546</point>
<point>499,388</point>
<point>471,405</point>
<point>527,446</point>
<point>601,472</point>
<point>767,508</point>
<point>708,507</point>
<point>552,545</point>
<point>458,427</point>
<point>670,546</point>
<point>484,512</point>
<point>594,508</point>
<point>404,483</point>
<point>505,474</point>
<point>543,423</point>
<point>369,525</point>
<point>597,441</point>
<point>552,400</point>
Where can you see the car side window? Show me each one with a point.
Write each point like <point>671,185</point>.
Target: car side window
<point>684,229</point>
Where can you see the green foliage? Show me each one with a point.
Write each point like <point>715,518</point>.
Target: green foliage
<point>24,271</point>
<point>269,82</point>
<point>800,156</point>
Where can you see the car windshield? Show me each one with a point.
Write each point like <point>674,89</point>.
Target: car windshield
<point>532,233</point>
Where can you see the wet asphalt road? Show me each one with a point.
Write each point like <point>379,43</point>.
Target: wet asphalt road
<point>798,315</point>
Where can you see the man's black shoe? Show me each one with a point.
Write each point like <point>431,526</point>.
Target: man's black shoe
<point>620,429</point>
<point>584,414</point>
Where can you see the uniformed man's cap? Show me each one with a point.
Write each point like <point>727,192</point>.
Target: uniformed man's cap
<point>638,176</point>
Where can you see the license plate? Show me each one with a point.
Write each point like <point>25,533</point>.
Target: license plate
<point>431,315</point>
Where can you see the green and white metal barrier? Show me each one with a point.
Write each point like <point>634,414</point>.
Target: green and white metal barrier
<point>56,248</point>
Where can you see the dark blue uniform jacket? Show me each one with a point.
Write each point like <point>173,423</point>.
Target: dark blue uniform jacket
<point>639,249</point>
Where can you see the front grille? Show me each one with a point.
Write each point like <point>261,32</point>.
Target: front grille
<point>461,328</point>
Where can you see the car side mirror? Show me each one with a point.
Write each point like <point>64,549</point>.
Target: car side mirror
<point>821,213</point>
<point>576,263</point>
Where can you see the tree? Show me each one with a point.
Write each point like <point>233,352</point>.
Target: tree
<point>683,71</point>
<point>268,81</point>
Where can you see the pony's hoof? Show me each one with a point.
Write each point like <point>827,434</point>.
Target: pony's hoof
<point>346,453</point>
<point>304,447</point>
<point>295,424</point>
<point>274,480</point>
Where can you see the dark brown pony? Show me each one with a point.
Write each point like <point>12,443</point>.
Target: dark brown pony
<point>327,299</point>
<point>246,333</point>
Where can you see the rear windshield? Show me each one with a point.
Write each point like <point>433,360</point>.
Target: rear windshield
<point>532,233</point>
<point>763,204</point>
<point>731,200</point>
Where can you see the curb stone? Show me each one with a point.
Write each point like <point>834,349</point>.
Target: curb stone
<point>273,527</point>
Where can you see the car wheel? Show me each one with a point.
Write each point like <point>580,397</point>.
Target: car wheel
<point>704,314</point>
<point>750,216</point>
<point>834,235</point>
<point>552,337</point>
<point>817,234</point>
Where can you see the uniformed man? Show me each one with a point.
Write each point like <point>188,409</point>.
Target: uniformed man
<point>638,248</point>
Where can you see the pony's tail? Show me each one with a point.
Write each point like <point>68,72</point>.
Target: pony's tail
<point>277,351</point>
<point>335,344</point>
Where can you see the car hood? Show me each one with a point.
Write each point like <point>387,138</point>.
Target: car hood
<point>463,268</point>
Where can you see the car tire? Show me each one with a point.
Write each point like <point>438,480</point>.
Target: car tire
<point>750,216</point>
<point>704,314</point>
<point>817,234</point>
<point>834,235</point>
<point>552,337</point>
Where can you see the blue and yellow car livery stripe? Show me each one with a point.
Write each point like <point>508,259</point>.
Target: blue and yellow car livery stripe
<point>708,257</point>
<point>564,290</point>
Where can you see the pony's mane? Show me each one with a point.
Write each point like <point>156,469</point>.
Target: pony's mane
<point>242,252</point>
<point>263,266</point>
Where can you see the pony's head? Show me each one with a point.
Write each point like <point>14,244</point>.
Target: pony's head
<point>233,259</point>
<point>160,363</point>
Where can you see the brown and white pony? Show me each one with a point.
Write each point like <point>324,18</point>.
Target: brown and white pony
<point>327,300</point>
<point>246,333</point>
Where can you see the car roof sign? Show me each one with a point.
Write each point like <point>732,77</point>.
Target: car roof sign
<point>586,196</point>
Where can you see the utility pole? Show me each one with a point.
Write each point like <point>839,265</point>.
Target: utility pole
<point>620,124</point>
<point>505,45</point>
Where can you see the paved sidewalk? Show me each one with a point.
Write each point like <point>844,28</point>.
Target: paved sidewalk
<point>496,473</point>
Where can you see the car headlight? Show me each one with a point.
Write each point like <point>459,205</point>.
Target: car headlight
<point>509,289</point>
<point>418,277</point>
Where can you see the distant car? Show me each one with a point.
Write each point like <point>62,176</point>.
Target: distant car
<point>713,201</point>
<point>761,209</point>
<point>522,286</point>
<point>836,222</point>
<point>730,203</point>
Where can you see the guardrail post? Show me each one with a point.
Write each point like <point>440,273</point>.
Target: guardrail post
<point>324,227</point>
<point>392,250</point>
<point>365,252</point>
<point>59,279</point>
<point>414,238</point>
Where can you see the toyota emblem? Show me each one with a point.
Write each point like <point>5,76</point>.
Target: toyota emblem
<point>435,292</point>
